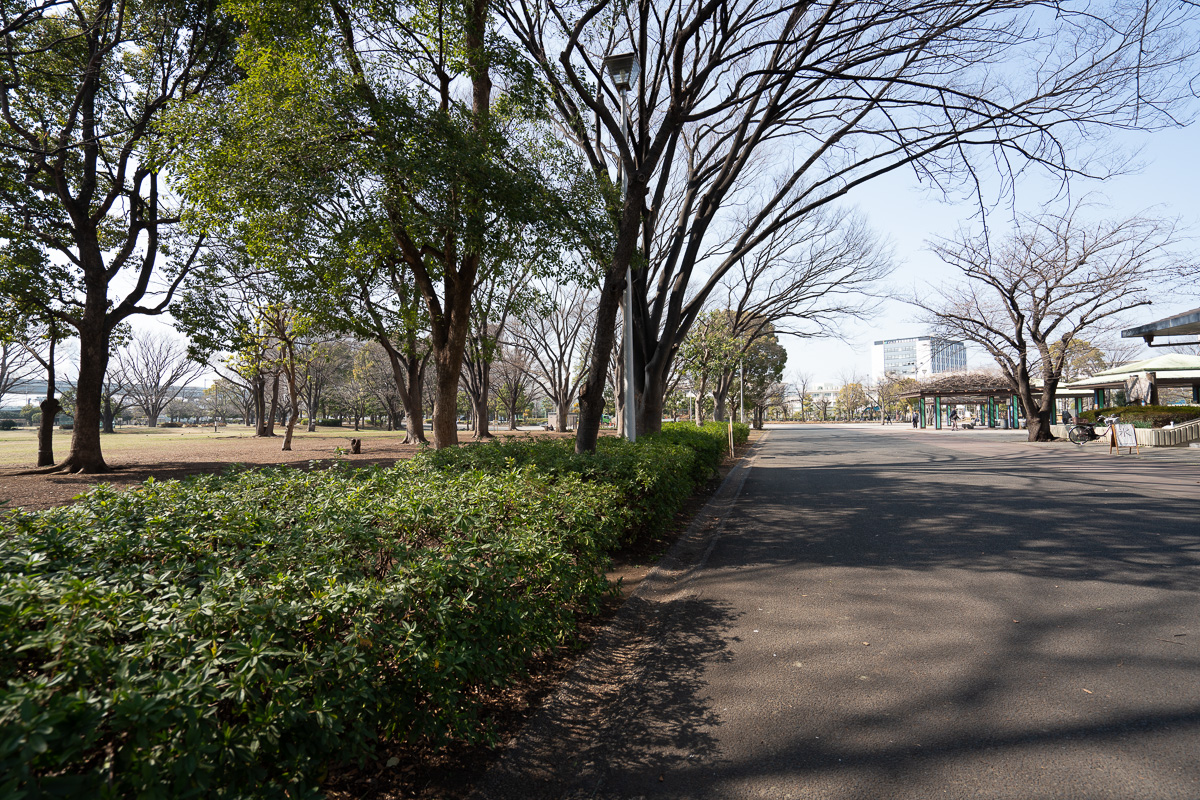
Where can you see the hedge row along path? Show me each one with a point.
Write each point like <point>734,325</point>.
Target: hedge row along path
<point>270,628</point>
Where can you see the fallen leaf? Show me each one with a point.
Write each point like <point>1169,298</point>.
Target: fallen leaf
<point>1089,691</point>
<point>393,761</point>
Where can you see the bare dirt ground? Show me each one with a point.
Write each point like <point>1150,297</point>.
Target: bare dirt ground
<point>135,454</point>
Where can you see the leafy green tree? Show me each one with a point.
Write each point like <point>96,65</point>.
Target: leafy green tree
<point>83,85</point>
<point>394,166</point>
<point>1082,358</point>
<point>761,375</point>
<point>711,350</point>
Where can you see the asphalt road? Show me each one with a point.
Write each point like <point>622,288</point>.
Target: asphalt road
<point>885,613</point>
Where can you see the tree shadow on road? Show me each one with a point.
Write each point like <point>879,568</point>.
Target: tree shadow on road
<point>1067,528</point>
<point>636,705</point>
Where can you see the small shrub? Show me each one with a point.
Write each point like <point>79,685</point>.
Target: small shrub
<point>1155,416</point>
<point>7,424</point>
<point>329,423</point>
<point>170,424</point>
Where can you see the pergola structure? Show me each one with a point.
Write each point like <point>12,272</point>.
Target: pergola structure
<point>986,390</point>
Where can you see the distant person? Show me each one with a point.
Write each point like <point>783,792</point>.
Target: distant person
<point>954,419</point>
<point>1066,416</point>
<point>915,419</point>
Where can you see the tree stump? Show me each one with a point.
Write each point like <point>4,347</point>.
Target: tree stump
<point>355,446</point>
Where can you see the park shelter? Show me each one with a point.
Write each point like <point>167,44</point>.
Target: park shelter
<point>990,393</point>
<point>1140,380</point>
<point>1185,324</point>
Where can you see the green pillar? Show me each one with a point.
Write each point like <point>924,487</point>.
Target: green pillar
<point>937,410</point>
<point>1078,407</point>
<point>991,412</point>
<point>1098,398</point>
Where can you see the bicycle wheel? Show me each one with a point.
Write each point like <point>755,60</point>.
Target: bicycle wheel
<point>1079,434</point>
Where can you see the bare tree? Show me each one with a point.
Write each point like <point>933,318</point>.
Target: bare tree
<point>114,399</point>
<point>552,335</point>
<point>154,369</point>
<point>495,303</point>
<point>514,383</point>
<point>321,363</point>
<point>17,365</point>
<point>373,372</point>
<point>750,115</point>
<point>801,381</point>
<point>1056,279</point>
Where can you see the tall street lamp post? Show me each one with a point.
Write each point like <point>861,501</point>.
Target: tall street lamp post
<point>623,70</point>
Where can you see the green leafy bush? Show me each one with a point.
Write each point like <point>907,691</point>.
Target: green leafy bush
<point>7,425</point>
<point>329,423</point>
<point>653,478</point>
<point>1155,416</point>
<point>229,636</point>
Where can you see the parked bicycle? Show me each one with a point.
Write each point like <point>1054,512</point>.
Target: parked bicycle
<point>1083,431</point>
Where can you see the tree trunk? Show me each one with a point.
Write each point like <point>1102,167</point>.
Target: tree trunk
<point>409,377</point>
<point>107,414</point>
<point>445,401</point>
<point>650,418</point>
<point>258,389</point>
<point>293,413</point>
<point>152,419</point>
<point>480,409</point>
<point>269,428</point>
<point>563,410</point>
<point>720,394</point>
<point>591,394</point>
<point>85,455</point>
<point>1037,420</point>
<point>50,408</point>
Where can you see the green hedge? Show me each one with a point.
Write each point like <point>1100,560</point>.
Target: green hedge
<point>1155,416</point>
<point>230,636</point>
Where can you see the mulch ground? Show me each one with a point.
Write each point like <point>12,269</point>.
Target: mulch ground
<point>192,455</point>
<point>401,772</point>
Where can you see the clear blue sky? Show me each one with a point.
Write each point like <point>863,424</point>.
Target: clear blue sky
<point>901,210</point>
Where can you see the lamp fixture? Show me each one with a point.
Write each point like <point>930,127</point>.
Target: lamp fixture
<point>623,69</point>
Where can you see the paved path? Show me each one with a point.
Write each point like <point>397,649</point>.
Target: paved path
<point>892,614</point>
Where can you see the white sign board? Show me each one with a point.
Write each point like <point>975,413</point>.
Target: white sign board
<point>1126,437</point>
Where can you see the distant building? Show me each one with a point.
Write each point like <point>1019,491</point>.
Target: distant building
<point>916,357</point>
<point>820,396</point>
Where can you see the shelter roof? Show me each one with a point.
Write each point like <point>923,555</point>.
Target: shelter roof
<point>1185,324</point>
<point>1167,362</point>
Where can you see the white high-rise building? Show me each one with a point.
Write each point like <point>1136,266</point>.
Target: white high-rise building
<point>916,357</point>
